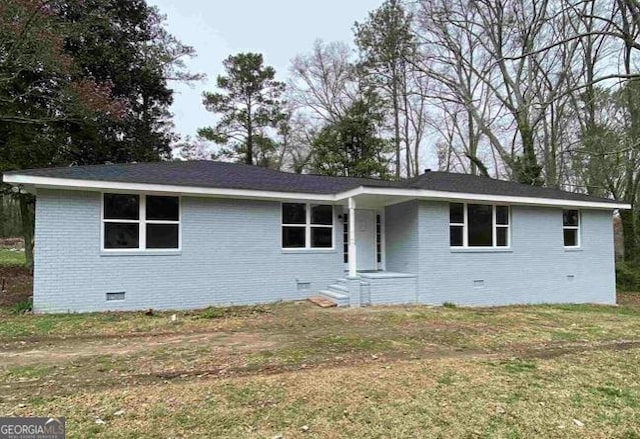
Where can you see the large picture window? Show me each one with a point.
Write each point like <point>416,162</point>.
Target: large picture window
<point>140,222</point>
<point>306,225</point>
<point>571,228</point>
<point>478,225</point>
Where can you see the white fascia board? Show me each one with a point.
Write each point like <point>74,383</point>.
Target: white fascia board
<point>100,185</point>
<point>460,196</point>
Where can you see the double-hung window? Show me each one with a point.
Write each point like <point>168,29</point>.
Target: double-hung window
<point>140,222</point>
<point>571,228</point>
<point>478,225</point>
<point>307,225</point>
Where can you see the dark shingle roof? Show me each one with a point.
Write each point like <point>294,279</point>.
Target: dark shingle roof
<point>210,174</point>
<point>473,184</point>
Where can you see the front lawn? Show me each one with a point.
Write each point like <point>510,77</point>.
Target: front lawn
<point>296,370</point>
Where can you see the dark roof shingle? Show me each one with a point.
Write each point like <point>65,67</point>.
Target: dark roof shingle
<point>210,174</point>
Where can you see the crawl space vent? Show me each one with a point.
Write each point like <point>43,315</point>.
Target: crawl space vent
<point>115,296</point>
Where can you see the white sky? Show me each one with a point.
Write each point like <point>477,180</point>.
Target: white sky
<point>279,29</point>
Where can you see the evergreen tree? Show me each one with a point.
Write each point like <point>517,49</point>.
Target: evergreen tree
<point>351,146</point>
<point>249,103</point>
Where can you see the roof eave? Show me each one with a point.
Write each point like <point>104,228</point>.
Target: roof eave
<point>31,181</point>
<point>427,194</point>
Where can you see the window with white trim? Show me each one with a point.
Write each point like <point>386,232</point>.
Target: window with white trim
<point>307,225</point>
<point>479,225</point>
<point>140,222</point>
<point>571,228</point>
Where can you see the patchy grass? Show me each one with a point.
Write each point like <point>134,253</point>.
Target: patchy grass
<point>12,257</point>
<point>400,399</point>
<point>302,371</point>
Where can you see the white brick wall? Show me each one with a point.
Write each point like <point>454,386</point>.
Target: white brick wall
<point>231,254</point>
<point>535,270</point>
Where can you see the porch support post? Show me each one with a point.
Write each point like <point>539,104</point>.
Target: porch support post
<point>352,238</point>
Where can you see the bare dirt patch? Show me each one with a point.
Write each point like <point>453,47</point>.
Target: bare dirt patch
<point>17,282</point>
<point>56,352</point>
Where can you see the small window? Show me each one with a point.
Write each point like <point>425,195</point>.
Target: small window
<point>307,225</point>
<point>163,208</point>
<point>294,213</point>
<point>121,206</point>
<point>378,238</point>
<point>456,224</point>
<point>293,237</point>
<point>571,228</point>
<point>345,237</point>
<point>478,225</point>
<point>141,222</point>
<point>121,221</point>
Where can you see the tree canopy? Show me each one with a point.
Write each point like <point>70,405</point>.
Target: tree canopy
<point>351,146</point>
<point>249,103</point>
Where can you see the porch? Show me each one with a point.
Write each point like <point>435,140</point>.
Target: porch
<point>373,273</point>
<point>372,287</point>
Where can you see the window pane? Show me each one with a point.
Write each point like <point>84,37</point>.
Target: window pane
<point>121,206</point>
<point>570,217</point>
<point>121,235</point>
<point>502,239</point>
<point>480,225</point>
<point>293,237</point>
<point>322,214</point>
<point>570,237</point>
<point>294,213</point>
<point>455,238</point>
<point>162,236</point>
<point>502,215</point>
<point>321,237</point>
<point>456,213</point>
<point>162,208</point>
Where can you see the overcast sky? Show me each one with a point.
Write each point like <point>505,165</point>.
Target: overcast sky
<point>279,29</point>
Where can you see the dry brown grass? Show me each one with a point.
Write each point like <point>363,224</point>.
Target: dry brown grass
<point>539,371</point>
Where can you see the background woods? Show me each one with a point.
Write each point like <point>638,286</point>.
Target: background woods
<point>540,92</point>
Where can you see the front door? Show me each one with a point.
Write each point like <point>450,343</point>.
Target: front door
<point>365,239</point>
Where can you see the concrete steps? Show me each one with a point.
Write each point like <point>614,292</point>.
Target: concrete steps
<point>339,298</point>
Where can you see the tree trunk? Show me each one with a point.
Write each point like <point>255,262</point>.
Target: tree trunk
<point>396,116</point>
<point>249,152</point>
<point>27,220</point>
<point>3,218</point>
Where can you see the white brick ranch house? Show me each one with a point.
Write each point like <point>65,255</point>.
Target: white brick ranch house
<point>180,235</point>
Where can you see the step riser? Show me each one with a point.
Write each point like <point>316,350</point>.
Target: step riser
<point>338,298</point>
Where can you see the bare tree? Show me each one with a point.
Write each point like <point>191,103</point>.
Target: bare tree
<point>322,82</point>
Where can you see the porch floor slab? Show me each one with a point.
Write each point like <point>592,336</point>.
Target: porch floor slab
<point>384,275</point>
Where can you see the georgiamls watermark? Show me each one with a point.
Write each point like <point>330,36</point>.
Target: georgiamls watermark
<point>32,428</point>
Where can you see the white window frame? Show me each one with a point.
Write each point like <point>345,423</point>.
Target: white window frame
<point>576,228</point>
<point>308,226</point>
<point>494,225</point>
<point>142,225</point>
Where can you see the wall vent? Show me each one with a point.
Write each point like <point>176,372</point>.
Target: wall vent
<point>115,296</point>
<point>571,278</point>
<point>478,283</point>
<point>304,286</point>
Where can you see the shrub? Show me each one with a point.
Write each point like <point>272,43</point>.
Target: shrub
<point>449,305</point>
<point>628,277</point>
<point>22,307</point>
